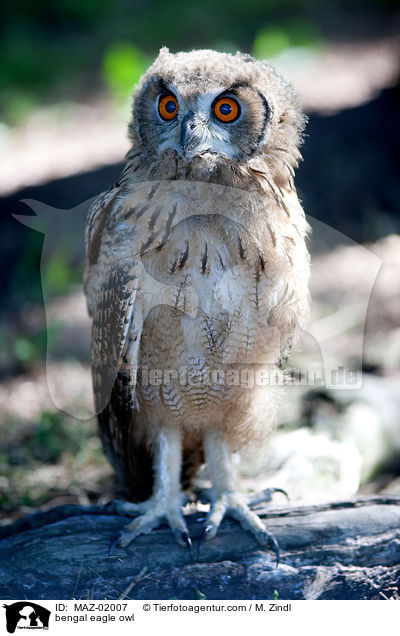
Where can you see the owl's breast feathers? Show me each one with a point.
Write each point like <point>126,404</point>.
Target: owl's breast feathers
<point>194,275</point>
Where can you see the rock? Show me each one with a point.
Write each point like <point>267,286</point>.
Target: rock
<point>312,467</point>
<point>351,437</point>
<point>344,550</point>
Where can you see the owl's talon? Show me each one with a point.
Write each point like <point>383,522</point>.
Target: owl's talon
<point>275,548</point>
<point>205,533</point>
<point>282,491</point>
<point>232,504</point>
<point>150,514</point>
<point>266,495</point>
<point>114,542</point>
<point>188,541</point>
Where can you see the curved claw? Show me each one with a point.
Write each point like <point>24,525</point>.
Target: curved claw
<point>266,496</point>
<point>188,541</point>
<point>282,491</point>
<point>275,548</point>
<point>114,542</point>
<point>203,536</point>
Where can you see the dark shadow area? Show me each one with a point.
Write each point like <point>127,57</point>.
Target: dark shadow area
<point>350,175</point>
<point>20,247</point>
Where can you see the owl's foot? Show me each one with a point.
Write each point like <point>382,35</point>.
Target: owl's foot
<point>166,500</point>
<point>151,513</point>
<point>227,501</point>
<point>266,495</point>
<point>232,504</point>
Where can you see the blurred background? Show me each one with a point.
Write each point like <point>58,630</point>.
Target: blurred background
<point>66,75</point>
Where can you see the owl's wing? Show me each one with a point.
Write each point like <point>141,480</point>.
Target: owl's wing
<point>111,285</point>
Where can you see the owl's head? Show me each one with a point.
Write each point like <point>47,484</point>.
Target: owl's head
<point>205,104</point>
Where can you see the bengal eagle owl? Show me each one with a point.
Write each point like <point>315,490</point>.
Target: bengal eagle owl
<point>196,279</point>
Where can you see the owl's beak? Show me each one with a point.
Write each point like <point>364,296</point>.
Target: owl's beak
<point>190,137</point>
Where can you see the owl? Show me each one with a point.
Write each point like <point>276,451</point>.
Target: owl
<point>197,284</point>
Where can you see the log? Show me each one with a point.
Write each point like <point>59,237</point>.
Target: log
<point>339,550</point>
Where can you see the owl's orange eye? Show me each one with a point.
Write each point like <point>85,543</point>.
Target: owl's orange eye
<point>226,109</point>
<point>168,107</point>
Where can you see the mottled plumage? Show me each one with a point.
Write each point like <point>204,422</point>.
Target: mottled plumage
<point>197,272</point>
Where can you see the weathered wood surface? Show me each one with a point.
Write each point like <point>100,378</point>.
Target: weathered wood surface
<point>341,550</point>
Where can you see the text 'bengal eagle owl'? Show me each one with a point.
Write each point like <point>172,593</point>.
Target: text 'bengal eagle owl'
<point>197,282</point>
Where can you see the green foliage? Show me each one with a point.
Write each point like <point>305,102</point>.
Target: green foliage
<point>59,274</point>
<point>24,350</point>
<point>122,66</point>
<point>31,455</point>
<point>29,350</point>
<point>200,596</point>
<point>53,437</point>
<point>272,40</point>
<point>50,49</point>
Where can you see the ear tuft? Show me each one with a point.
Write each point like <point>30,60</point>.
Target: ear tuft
<point>164,52</point>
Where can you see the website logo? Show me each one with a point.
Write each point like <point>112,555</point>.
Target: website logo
<point>26,615</point>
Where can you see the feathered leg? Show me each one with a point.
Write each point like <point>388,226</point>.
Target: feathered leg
<point>166,500</point>
<point>227,501</point>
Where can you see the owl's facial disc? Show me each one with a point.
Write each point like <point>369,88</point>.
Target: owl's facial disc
<point>230,122</point>
<point>200,135</point>
<point>198,126</point>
